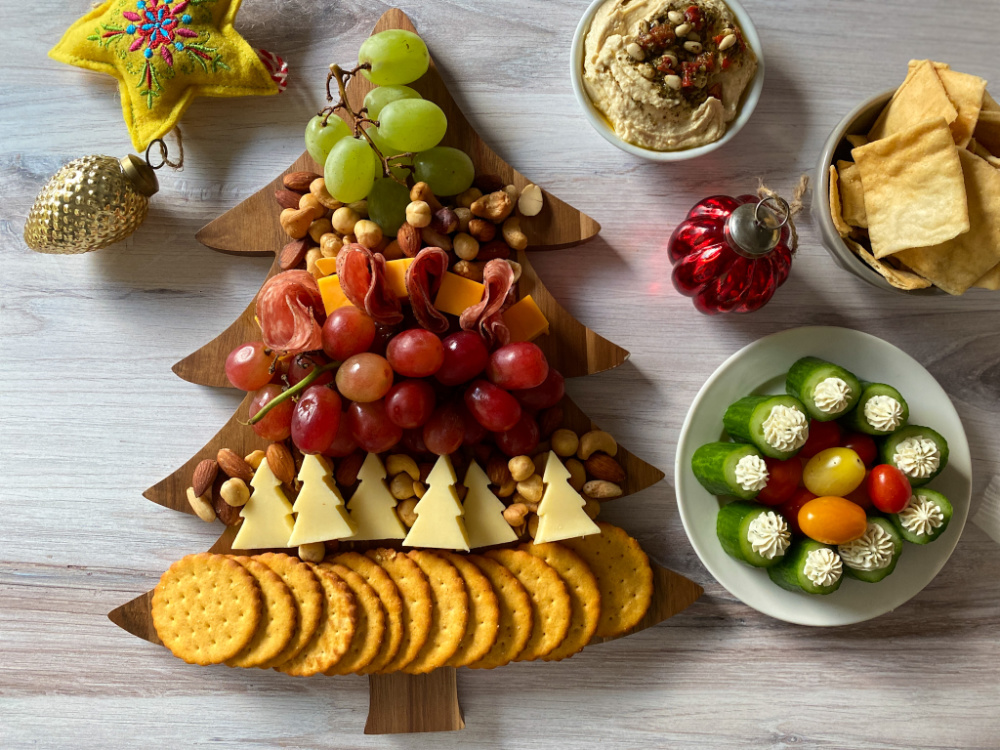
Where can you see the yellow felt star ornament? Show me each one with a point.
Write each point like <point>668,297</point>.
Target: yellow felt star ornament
<point>164,53</point>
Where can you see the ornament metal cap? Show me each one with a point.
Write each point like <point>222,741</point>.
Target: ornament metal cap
<point>754,229</point>
<point>140,174</point>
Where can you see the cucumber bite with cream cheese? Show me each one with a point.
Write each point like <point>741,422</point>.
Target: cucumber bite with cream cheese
<point>826,390</point>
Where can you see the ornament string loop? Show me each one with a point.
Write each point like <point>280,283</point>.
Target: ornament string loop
<point>161,146</point>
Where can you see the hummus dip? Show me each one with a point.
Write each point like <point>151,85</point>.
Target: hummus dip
<point>667,74</point>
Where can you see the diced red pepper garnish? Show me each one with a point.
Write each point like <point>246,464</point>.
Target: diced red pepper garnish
<point>726,62</point>
<point>689,71</point>
<point>716,91</point>
<point>694,17</point>
<point>718,39</point>
<point>664,66</point>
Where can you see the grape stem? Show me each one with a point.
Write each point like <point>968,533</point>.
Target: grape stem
<point>294,390</point>
<point>359,118</point>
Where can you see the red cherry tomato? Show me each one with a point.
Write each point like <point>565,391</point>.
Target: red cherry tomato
<point>888,488</point>
<point>783,480</point>
<point>861,444</point>
<point>860,496</point>
<point>790,508</point>
<point>822,435</point>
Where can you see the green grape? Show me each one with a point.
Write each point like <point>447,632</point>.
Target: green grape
<point>395,56</point>
<point>447,170</point>
<point>320,139</point>
<point>387,204</point>
<point>349,170</point>
<point>387,151</point>
<point>412,124</point>
<point>378,97</point>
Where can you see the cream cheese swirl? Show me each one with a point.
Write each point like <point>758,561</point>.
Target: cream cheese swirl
<point>751,473</point>
<point>823,567</point>
<point>917,457</point>
<point>832,395</point>
<point>786,428</point>
<point>871,551</point>
<point>920,516</point>
<point>768,535</point>
<point>884,413</point>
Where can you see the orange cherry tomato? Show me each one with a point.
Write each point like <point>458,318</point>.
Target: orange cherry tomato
<point>832,520</point>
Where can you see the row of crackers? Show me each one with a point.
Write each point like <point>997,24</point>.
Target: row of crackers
<point>386,611</point>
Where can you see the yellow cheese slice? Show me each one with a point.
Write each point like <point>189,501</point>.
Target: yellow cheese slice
<point>525,321</point>
<point>395,276</point>
<point>320,506</point>
<point>484,521</point>
<point>560,512</point>
<point>457,293</point>
<point>372,506</point>
<point>439,523</point>
<point>326,266</point>
<point>267,516</point>
<point>333,295</point>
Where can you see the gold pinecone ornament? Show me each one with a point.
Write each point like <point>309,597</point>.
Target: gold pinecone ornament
<point>90,203</point>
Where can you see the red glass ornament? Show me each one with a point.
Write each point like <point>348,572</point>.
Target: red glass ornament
<point>731,260</point>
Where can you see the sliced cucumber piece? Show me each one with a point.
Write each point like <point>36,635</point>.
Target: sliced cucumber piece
<point>834,383</point>
<point>806,558</point>
<point>880,542</point>
<point>925,517</point>
<point>736,522</point>
<point>746,421</point>
<point>717,467</point>
<point>909,450</point>
<point>881,410</point>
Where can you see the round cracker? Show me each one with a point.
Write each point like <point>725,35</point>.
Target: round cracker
<point>335,632</point>
<point>449,615</point>
<point>584,595</point>
<point>376,577</point>
<point>308,594</point>
<point>415,590</point>
<point>370,627</point>
<point>484,613</point>
<point>206,608</point>
<point>549,596</point>
<point>278,621</point>
<point>623,575</point>
<point>516,614</point>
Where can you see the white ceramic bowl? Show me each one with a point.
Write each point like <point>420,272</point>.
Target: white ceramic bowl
<point>600,124</point>
<point>761,368</point>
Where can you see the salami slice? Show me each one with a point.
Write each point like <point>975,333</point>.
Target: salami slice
<point>290,311</point>
<point>498,278</point>
<point>362,279</point>
<point>423,280</point>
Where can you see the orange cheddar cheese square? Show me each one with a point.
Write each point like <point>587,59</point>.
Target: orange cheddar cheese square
<point>333,295</point>
<point>326,266</point>
<point>395,276</point>
<point>457,293</point>
<point>525,320</point>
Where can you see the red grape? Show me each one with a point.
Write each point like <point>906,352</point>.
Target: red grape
<point>302,364</point>
<point>521,439</point>
<point>517,366</point>
<point>276,425</point>
<point>465,356</point>
<point>410,403</point>
<point>346,332</point>
<point>383,334</point>
<point>493,407</point>
<point>343,443</point>
<point>445,430</point>
<point>248,366</point>
<point>413,441</point>
<point>863,445</point>
<point>475,433</point>
<point>543,396</point>
<point>416,353</point>
<point>371,426</point>
<point>364,377</point>
<point>316,419</point>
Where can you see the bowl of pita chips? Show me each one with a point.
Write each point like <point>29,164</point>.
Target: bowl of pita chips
<point>911,185</point>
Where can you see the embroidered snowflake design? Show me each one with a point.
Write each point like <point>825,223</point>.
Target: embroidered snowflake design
<point>159,27</point>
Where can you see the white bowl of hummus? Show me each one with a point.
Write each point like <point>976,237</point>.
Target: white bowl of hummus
<point>667,80</point>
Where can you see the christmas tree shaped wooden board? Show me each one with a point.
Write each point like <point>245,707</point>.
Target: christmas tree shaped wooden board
<point>400,702</point>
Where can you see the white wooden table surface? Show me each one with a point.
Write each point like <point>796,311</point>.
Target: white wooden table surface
<point>90,414</point>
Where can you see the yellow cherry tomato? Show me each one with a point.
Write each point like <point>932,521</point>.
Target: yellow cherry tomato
<point>835,471</point>
<point>832,520</point>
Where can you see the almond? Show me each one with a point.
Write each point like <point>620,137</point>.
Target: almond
<point>204,475</point>
<point>225,512</point>
<point>281,463</point>
<point>408,238</point>
<point>287,198</point>
<point>498,470</point>
<point>233,465</point>
<point>493,250</point>
<point>294,253</point>
<point>299,181</point>
<point>603,466</point>
<point>348,468</point>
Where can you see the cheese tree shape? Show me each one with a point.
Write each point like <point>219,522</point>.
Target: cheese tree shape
<point>320,510</point>
<point>484,521</point>
<point>372,506</point>
<point>267,516</point>
<point>439,513</point>
<point>560,512</point>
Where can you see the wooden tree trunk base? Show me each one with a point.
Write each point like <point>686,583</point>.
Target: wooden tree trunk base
<point>403,703</point>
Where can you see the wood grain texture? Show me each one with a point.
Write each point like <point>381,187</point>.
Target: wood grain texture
<point>88,343</point>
